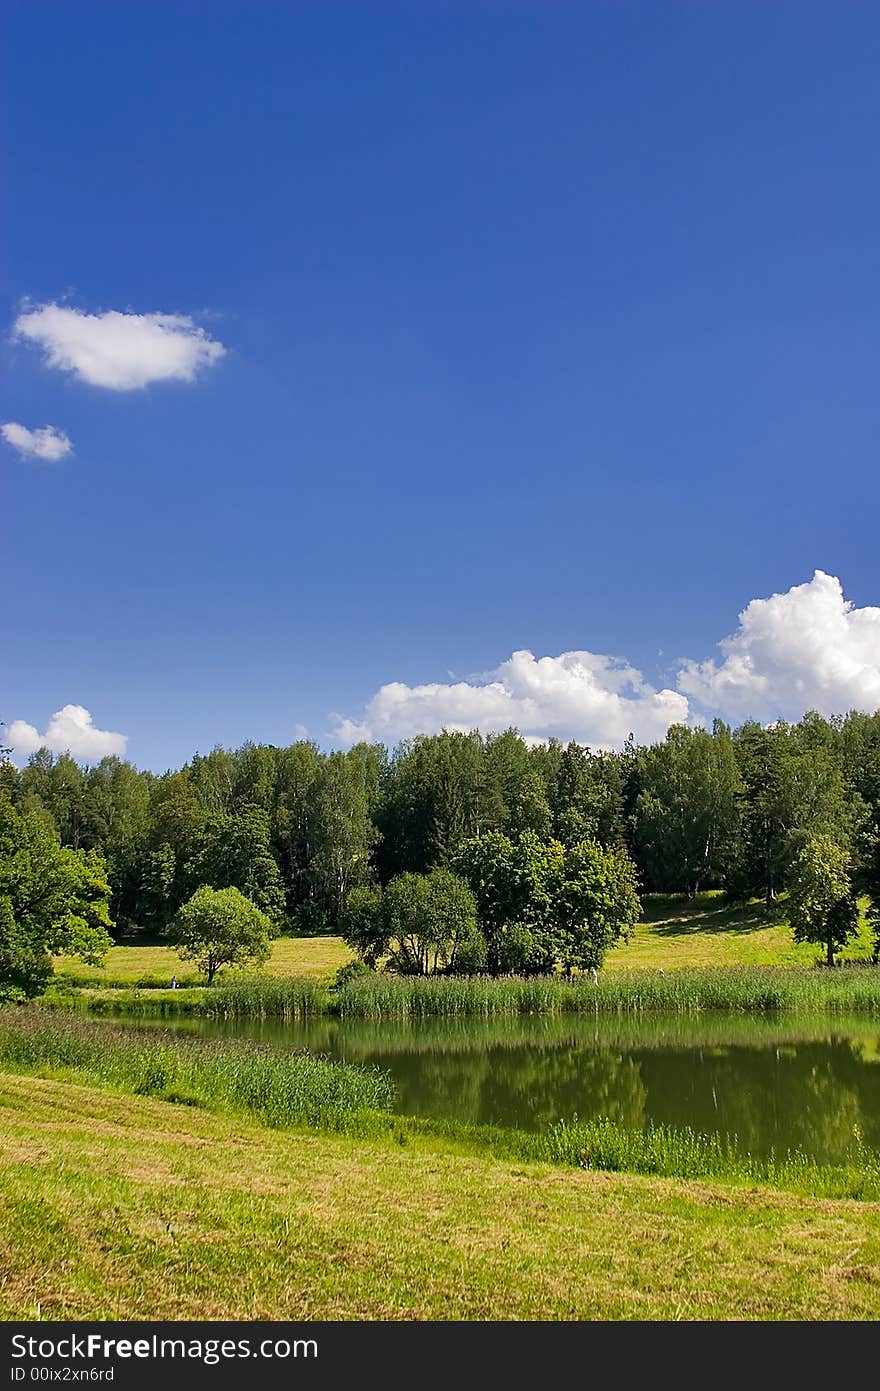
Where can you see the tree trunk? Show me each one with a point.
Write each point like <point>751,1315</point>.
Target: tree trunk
<point>830,946</point>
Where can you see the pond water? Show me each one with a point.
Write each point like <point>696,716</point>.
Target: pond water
<point>775,1084</point>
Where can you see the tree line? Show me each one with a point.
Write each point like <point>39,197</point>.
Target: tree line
<point>311,838</point>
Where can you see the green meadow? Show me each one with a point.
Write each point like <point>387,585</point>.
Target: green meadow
<point>123,1206</point>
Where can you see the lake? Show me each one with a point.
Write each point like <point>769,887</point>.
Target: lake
<point>774,1083</point>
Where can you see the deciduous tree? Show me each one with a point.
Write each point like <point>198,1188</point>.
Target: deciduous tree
<point>52,899</point>
<point>220,927</point>
<point>822,907</point>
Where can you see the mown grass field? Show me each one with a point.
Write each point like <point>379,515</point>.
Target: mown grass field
<point>317,958</point>
<point>123,1207</point>
<point>676,934</point>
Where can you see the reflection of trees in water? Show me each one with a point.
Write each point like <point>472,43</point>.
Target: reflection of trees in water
<point>777,1083</point>
<point>808,1096</point>
<point>529,1088</point>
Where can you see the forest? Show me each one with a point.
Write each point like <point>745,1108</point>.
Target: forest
<point>296,830</point>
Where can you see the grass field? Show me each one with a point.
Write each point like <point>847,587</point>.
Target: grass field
<point>317,958</point>
<point>679,933</point>
<point>675,934</point>
<point>124,1207</point>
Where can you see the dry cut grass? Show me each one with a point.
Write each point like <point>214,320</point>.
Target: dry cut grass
<point>114,1206</point>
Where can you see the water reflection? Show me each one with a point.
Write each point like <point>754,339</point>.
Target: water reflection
<point>773,1083</point>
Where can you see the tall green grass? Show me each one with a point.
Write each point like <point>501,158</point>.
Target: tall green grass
<point>287,998</point>
<point>686,1153</point>
<point>280,1088</point>
<point>853,990</point>
<point>746,989</point>
<point>261,997</point>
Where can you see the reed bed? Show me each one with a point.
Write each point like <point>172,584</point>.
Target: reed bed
<point>853,990</point>
<point>281,1088</point>
<point>273,997</point>
<point>129,1003</point>
<point>752,989</point>
<point>691,1154</point>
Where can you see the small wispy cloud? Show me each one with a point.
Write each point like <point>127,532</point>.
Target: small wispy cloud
<point>44,443</point>
<point>118,351</point>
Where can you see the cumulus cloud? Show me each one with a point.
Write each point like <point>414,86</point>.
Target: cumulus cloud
<point>807,649</point>
<point>70,730</point>
<point>121,352</point>
<point>595,699</point>
<point>44,443</point>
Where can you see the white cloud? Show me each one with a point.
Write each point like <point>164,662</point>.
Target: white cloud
<point>119,351</point>
<point>70,730</point>
<point>578,695</point>
<point>807,649</point>
<point>44,443</point>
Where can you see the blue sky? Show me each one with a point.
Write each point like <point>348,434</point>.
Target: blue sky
<point>547,327</point>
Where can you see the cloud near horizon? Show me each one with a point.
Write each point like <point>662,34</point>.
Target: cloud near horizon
<point>117,351</point>
<point>70,730</point>
<point>809,648</point>
<point>595,699</point>
<point>806,649</point>
<point>44,443</point>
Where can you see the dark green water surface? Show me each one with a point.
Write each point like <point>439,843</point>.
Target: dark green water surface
<point>775,1084</point>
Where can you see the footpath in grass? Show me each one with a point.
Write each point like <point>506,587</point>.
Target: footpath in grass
<point>124,1207</point>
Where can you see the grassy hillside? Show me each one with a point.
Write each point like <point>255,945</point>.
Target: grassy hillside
<point>681,933</point>
<point>676,933</point>
<point>122,1207</point>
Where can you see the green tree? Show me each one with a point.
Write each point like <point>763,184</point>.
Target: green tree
<point>512,882</point>
<point>793,786</point>
<point>421,924</point>
<point>177,820</point>
<point>117,819</point>
<point>215,777</point>
<point>59,786</point>
<point>586,796</point>
<point>10,779</point>
<point>52,899</point>
<point>158,874</point>
<point>362,925</point>
<point>516,792</point>
<point>687,809</point>
<point>220,927</point>
<point>256,776</point>
<point>293,825</point>
<point>341,836</point>
<point>822,906</point>
<point>543,904</point>
<point>436,792</point>
<point>235,851</point>
<point>596,905</point>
